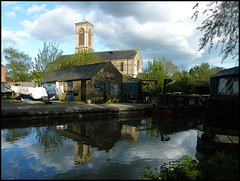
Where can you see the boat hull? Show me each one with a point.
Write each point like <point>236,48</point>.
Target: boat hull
<point>208,142</point>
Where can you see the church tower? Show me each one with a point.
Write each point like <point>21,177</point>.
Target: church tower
<point>84,36</point>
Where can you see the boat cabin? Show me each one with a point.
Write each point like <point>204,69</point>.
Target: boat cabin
<point>223,106</point>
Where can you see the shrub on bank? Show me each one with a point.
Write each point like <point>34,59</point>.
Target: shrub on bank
<point>219,166</point>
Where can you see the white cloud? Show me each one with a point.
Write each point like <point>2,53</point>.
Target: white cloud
<point>172,37</point>
<point>10,39</point>
<point>36,9</point>
<point>54,25</point>
<point>10,14</point>
<point>161,29</point>
<point>22,34</point>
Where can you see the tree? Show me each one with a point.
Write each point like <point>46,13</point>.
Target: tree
<point>204,71</point>
<point>169,67</point>
<point>221,25</point>
<point>83,57</point>
<point>185,76</point>
<point>18,65</point>
<point>48,54</point>
<point>155,71</point>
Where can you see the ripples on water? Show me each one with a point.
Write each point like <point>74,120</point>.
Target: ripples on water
<point>96,149</point>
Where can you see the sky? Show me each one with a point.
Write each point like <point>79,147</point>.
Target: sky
<point>161,29</point>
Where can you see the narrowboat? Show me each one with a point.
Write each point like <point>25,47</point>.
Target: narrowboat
<point>179,103</point>
<point>220,129</point>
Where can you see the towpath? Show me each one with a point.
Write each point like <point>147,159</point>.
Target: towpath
<point>23,111</point>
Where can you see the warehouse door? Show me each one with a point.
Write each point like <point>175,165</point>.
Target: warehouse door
<point>83,90</point>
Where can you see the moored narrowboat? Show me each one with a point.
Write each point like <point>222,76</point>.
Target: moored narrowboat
<point>220,129</point>
<point>179,103</point>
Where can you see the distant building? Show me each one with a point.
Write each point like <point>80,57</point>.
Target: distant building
<point>3,79</point>
<point>128,62</point>
<point>99,82</point>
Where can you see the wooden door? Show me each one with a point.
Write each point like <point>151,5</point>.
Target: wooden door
<point>83,90</point>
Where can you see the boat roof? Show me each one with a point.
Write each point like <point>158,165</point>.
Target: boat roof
<point>227,73</point>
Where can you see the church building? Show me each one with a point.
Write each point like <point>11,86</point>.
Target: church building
<point>128,62</point>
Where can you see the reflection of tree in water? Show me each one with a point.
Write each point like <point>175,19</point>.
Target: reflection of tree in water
<point>49,138</point>
<point>11,135</point>
<point>151,129</point>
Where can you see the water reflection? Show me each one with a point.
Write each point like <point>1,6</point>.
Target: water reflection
<point>100,134</point>
<point>88,147</point>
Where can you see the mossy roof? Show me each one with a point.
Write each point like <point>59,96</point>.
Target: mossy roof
<point>84,72</point>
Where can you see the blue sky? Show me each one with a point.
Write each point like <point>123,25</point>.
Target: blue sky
<point>160,29</point>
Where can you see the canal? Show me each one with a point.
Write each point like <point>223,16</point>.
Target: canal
<point>116,148</point>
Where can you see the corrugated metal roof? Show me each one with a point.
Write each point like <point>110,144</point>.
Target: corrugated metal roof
<point>84,72</point>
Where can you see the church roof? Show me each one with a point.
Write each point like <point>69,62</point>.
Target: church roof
<point>84,72</point>
<point>117,54</point>
<point>110,55</point>
<point>83,21</point>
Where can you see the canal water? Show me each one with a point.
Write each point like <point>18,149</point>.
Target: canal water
<point>116,148</point>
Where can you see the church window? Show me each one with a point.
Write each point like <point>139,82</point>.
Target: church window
<point>137,65</point>
<point>81,37</point>
<point>121,66</point>
<point>90,38</point>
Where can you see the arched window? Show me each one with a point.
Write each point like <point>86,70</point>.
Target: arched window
<point>121,66</point>
<point>81,37</point>
<point>137,65</point>
<point>89,38</point>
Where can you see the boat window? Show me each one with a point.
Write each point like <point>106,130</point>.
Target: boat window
<point>228,86</point>
<point>235,87</point>
<point>191,101</point>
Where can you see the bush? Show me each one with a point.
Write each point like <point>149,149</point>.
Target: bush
<point>181,86</point>
<point>224,166</point>
<point>183,168</point>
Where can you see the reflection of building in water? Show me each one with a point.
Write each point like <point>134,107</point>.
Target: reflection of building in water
<point>83,153</point>
<point>129,134</point>
<point>100,134</point>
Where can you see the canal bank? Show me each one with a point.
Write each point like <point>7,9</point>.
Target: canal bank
<point>16,111</point>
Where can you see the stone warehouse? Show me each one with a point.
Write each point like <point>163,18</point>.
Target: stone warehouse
<point>99,82</point>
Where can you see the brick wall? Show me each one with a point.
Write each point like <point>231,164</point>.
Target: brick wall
<point>3,74</point>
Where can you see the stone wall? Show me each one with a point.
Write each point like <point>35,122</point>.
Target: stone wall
<point>105,86</point>
<point>129,65</point>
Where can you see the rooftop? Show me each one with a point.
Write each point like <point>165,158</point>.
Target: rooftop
<point>110,55</point>
<point>83,21</point>
<point>84,72</point>
<point>117,54</point>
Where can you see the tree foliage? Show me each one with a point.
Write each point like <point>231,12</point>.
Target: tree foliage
<point>48,54</point>
<point>169,66</point>
<point>204,71</point>
<point>83,57</point>
<point>155,71</point>
<point>18,65</point>
<point>220,166</point>
<point>221,25</point>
